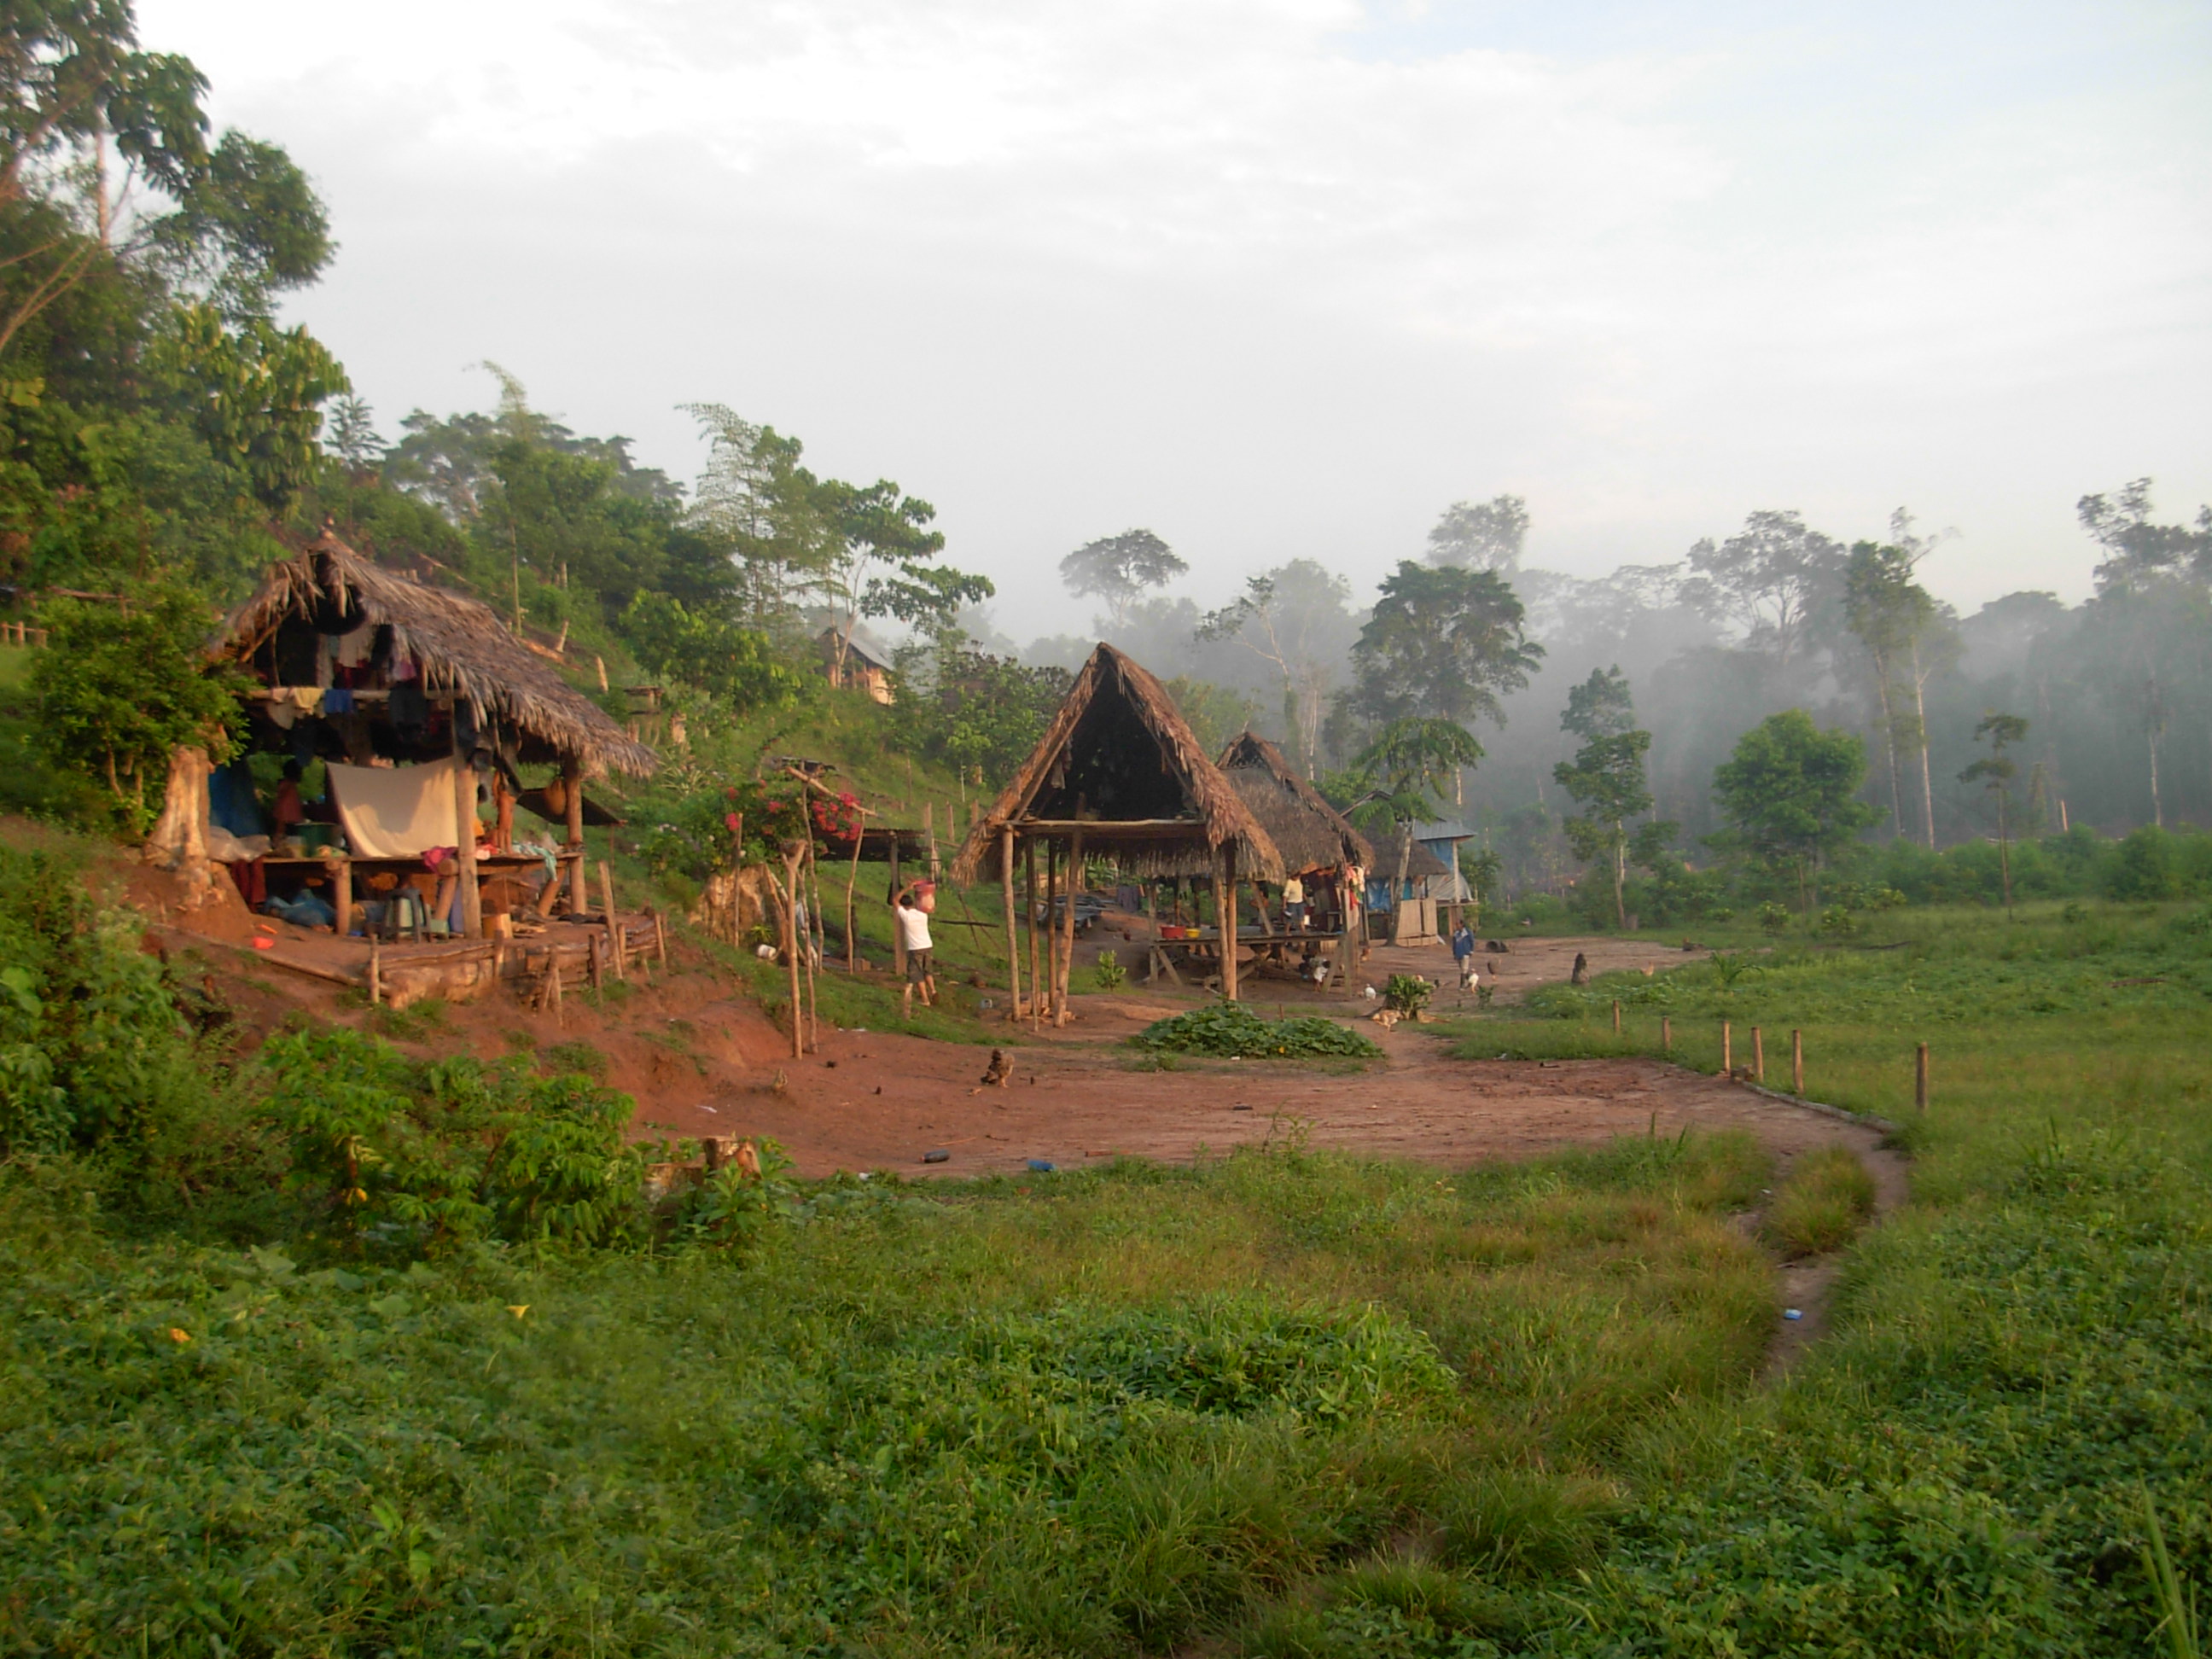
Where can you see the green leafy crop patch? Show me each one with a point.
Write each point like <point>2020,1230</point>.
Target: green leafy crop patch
<point>1230,1031</point>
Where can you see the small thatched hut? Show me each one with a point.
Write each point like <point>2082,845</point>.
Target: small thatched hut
<point>1118,772</point>
<point>409,693</point>
<point>1313,836</point>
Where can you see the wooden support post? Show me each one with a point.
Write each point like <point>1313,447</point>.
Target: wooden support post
<point>572,785</point>
<point>1154,959</point>
<point>660,939</point>
<point>1013,933</point>
<point>375,972</point>
<point>1224,905</point>
<point>852,904</point>
<point>1616,1017</point>
<point>1757,1056</point>
<point>464,826</point>
<point>614,927</point>
<point>553,985</point>
<point>1071,880</point>
<point>341,872</point>
<point>791,946</point>
<point>1666,1034</point>
<point>1798,1062</point>
<point>1728,1057</point>
<point>1037,967</point>
<point>599,971</point>
<point>898,933</point>
<point>1920,1079</point>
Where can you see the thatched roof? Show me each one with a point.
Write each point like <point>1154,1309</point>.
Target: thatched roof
<point>1119,759</point>
<point>461,644</point>
<point>1309,832</point>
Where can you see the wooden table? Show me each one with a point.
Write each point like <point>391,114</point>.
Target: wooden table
<point>1269,945</point>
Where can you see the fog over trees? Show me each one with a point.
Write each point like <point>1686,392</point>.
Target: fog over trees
<point>1772,616</point>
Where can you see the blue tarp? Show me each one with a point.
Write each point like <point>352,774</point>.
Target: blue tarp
<point>231,801</point>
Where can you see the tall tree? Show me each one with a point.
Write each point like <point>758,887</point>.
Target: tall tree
<point>1480,535</point>
<point>1767,578</point>
<point>1443,643</point>
<point>1119,569</point>
<point>1606,777</point>
<point>1399,778</point>
<point>1297,619</point>
<point>754,499</point>
<point>1996,772</point>
<point>2151,573</point>
<point>1788,794</point>
<point>882,561</point>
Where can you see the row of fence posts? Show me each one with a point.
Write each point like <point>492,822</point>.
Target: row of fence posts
<point>1759,1055</point>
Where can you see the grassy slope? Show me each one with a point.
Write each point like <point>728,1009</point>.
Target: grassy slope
<point>2024,1352</point>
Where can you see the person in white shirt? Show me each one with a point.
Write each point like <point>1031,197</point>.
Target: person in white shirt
<point>1294,905</point>
<point>920,973</point>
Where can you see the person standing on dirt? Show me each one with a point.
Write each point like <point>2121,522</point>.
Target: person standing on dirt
<point>914,932</point>
<point>1463,945</point>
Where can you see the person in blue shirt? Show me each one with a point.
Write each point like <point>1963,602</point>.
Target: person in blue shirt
<point>1462,947</point>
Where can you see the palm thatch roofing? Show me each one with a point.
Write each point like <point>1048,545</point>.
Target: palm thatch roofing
<point>1119,760</point>
<point>463,649</point>
<point>1309,832</point>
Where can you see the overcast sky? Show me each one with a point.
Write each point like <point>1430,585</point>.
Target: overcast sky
<point>1285,277</point>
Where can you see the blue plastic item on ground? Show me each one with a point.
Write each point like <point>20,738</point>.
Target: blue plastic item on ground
<point>1040,1165</point>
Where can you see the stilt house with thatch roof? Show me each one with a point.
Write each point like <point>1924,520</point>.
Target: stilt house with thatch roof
<point>411,695</point>
<point>1313,836</point>
<point>1119,774</point>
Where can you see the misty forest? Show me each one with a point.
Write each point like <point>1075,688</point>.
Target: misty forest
<point>1521,1112</point>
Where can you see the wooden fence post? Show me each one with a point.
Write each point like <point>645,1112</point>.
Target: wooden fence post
<point>1758,1056</point>
<point>1666,1034</point>
<point>1616,1017</point>
<point>1920,1079</point>
<point>614,927</point>
<point>1798,1062</point>
<point>1727,1052</point>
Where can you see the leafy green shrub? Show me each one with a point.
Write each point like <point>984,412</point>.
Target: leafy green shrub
<point>1826,1198</point>
<point>118,687</point>
<point>1837,922</point>
<point>1110,974</point>
<point>1774,918</point>
<point>401,1155</point>
<point>1233,1031</point>
<point>1408,993</point>
<point>2146,867</point>
<point>91,1046</point>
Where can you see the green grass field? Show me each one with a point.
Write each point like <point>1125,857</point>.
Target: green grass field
<point>1281,1404</point>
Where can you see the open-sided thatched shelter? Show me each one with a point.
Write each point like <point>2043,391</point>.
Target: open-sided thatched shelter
<point>1119,772</point>
<point>1312,835</point>
<point>411,693</point>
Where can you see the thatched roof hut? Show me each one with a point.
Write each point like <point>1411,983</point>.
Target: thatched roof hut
<point>460,645</point>
<point>1119,764</point>
<point>1421,864</point>
<point>1309,832</point>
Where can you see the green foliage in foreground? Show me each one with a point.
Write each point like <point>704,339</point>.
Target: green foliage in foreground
<point>1959,1470</point>
<point>997,1420</point>
<point>1230,1031</point>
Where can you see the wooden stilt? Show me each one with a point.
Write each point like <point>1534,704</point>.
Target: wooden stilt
<point>660,939</point>
<point>597,967</point>
<point>1073,880</point>
<point>1229,921</point>
<point>1037,967</point>
<point>1013,935</point>
<point>852,904</point>
<point>1798,1062</point>
<point>375,972</point>
<point>572,783</point>
<point>614,929</point>
<point>898,934</point>
<point>465,823</point>
<point>1728,1056</point>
